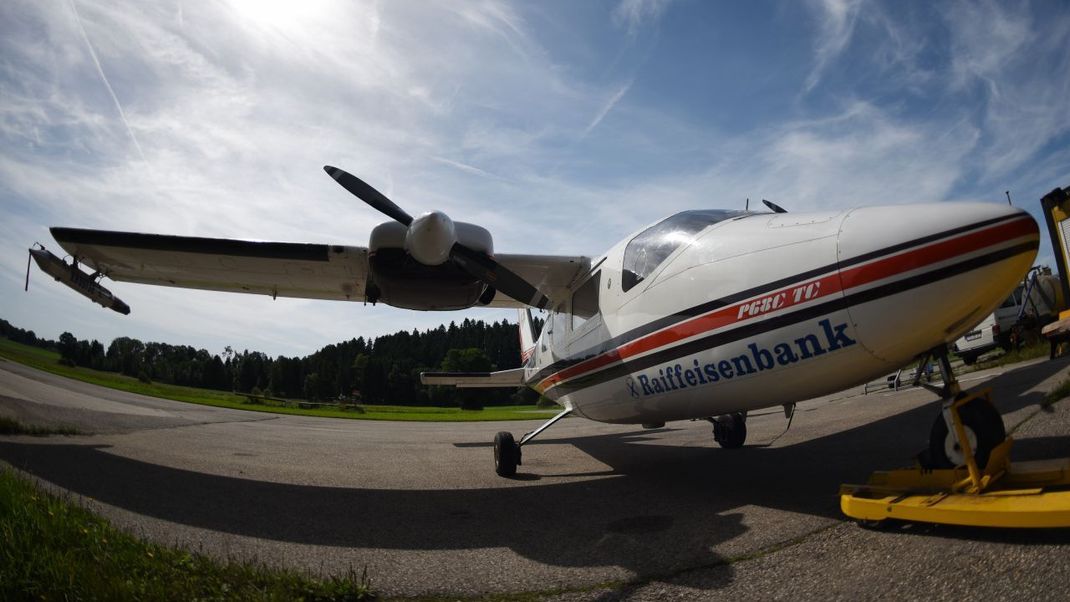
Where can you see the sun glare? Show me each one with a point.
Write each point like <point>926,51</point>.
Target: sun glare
<point>279,15</point>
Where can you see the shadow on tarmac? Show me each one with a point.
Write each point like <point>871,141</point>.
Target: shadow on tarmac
<point>662,509</point>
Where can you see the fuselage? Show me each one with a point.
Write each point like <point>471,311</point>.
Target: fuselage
<point>711,312</point>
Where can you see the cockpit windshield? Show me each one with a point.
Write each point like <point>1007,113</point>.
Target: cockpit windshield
<point>653,246</point>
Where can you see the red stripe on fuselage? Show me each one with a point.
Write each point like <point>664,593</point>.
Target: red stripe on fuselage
<point>936,252</point>
<point>832,283</point>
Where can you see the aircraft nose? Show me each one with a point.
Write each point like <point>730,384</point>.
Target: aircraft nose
<point>916,276</point>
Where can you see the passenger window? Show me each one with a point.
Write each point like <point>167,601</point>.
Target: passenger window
<point>585,301</point>
<point>651,247</point>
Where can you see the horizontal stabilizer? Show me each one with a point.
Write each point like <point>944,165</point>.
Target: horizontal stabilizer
<point>475,380</point>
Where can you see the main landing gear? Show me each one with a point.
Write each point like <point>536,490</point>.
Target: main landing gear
<point>730,430</point>
<point>507,454</point>
<point>965,477</point>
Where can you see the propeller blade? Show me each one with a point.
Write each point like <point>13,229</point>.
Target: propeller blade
<point>776,208</point>
<point>498,276</point>
<point>360,189</point>
<point>29,256</point>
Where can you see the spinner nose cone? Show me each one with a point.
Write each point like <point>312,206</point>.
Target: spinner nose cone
<point>916,276</point>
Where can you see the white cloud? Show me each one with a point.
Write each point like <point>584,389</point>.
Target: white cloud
<point>1018,66</point>
<point>606,108</point>
<point>836,21</point>
<point>463,109</point>
<point>632,14</point>
<point>236,116</point>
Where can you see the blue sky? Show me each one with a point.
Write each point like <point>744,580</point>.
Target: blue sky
<point>559,126</point>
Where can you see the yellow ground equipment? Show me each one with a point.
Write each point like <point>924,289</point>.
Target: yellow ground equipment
<point>1056,207</point>
<point>1023,494</point>
<point>1004,494</point>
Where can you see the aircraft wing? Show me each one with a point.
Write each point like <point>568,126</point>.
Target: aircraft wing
<point>282,269</point>
<point>475,380</point>
<point>308,271</point>
<point>551,274</point>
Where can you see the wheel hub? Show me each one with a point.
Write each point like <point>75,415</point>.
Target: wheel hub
<point>953,450</point>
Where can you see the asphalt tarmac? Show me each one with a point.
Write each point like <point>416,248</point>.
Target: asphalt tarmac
<point>597,512</point>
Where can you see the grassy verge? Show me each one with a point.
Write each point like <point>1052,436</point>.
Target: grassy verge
<point>1038,349</point>
<point>10,426</point>
<point>48,361</point>
<point>54,549</point>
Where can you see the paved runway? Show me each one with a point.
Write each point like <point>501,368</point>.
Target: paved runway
<point>596,512</point>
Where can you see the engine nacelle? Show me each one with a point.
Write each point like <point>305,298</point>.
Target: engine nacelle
<point>399,279</point>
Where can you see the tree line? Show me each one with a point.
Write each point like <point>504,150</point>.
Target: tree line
<point>385,369</point>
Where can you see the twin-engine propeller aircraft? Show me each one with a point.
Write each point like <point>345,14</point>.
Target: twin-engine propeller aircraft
<point>705,314</point>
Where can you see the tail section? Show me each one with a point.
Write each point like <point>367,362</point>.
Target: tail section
<point>527,335</point>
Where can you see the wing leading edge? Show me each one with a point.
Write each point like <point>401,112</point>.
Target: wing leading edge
<point>277,269</point>
<point>307,271</point>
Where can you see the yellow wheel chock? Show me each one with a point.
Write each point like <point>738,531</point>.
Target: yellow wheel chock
<point>1023,494</point>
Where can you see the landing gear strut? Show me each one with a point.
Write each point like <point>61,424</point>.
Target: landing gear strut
<point>507,454</point>
<point>730,430</point>
<point>982,425</point>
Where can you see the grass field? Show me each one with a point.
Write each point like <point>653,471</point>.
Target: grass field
<point>49,361</point>
<point>55,550</point>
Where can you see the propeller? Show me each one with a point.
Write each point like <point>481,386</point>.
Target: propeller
<point>477,263</point>
<point>29,256</point>
<point>363,191</point>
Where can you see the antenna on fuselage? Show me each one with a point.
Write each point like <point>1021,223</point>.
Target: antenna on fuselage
<point>776,208</point>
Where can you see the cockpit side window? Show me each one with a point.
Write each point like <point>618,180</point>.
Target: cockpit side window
<point>651,247</point>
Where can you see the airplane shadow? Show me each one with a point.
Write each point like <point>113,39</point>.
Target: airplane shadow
<point>664,509</point>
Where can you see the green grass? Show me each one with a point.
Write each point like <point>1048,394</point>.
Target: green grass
<point>1026,352</point>
<point>10,426</point>
<point>49,362</point>
<point>55,550</point>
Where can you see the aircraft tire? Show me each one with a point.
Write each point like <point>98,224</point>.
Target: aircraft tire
<point>983,424</point>
<point>506,454</point>
<point>732,431</point>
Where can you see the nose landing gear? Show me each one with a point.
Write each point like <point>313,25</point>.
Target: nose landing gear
<point>966,477</point>
<point>981,423</point>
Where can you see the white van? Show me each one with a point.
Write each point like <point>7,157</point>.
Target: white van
<point>983,338</point>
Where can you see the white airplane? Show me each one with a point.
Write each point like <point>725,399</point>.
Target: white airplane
<point>705,314</point>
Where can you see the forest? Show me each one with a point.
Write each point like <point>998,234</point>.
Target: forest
<point>383,370</point>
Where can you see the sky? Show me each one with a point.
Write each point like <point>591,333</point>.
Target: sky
<point>560,126</point>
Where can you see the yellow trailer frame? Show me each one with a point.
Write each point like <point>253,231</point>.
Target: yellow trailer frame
<point>1033,494</point>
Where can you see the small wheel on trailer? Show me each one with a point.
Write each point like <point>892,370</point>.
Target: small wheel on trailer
<point>984,430</point>
<point>872,524</point>
<point>730,430</point>
<point>506,454</point>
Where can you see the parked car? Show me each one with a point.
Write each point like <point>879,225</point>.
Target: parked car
<point>983,338</point>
